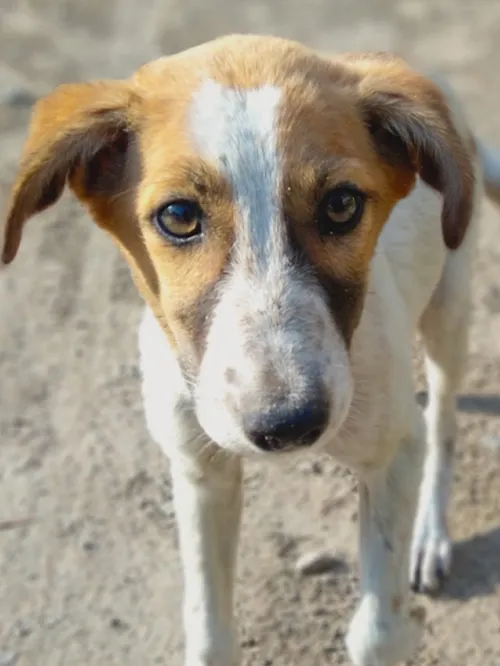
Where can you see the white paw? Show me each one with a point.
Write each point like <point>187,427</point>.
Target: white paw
<point>383,641</point>
<point>430,559</point>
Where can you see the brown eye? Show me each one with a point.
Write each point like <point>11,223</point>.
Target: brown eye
<point>180,220</point>
<point>340,210</point>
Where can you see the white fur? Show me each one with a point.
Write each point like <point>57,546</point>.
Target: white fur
<point>491,171</point>
<point>377,428</point>
<point>236,129</point>
<point>270,319</point>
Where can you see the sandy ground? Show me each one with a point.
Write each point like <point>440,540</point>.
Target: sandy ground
<point>94,579</point>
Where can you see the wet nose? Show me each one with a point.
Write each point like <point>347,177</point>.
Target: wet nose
<point>285,428</point>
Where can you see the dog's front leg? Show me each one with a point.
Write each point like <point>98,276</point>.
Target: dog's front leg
<point>207,498</point>
<point>384,631</point>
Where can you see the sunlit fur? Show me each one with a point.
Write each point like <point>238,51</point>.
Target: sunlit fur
<point>264,311</point>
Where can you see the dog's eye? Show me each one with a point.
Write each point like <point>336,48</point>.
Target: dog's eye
<point>179,220</point>
<point>340,210</point>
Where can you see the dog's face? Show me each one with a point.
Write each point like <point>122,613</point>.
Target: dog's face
<point>246,182</point>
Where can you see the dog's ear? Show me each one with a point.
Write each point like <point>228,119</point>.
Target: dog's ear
<point>78,134</point>
<point>413,128</point>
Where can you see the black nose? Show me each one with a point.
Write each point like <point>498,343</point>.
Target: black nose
<point>283,428</point>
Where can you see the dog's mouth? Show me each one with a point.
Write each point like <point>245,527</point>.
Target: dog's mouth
<point>276,445</point>
<point>302,429</point>
<point>284,427</point>
<point>315,443</point>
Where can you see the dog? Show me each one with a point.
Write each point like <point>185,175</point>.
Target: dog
<point>291,222</point>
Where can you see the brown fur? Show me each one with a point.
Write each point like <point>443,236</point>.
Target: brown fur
<point>123,148</point>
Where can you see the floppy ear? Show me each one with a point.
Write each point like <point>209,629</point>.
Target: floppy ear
<point>78,133</point>
<point>412,126</point>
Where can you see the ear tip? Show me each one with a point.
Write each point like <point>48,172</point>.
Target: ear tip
<point>455,227</point>
<point>453,242</point>
<point>5,261</point>
<point>9,252</point>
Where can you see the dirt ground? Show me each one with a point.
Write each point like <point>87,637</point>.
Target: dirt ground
<point>94,578</point>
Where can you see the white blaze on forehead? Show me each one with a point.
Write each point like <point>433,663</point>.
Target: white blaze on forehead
<point>236,130</point>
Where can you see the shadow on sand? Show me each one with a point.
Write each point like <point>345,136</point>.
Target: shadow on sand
<point>488,404</point>
<point>476,560</point>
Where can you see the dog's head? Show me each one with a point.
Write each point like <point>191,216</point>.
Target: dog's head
<point>246,182</point>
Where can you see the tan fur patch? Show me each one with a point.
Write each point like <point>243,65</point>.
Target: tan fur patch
<point>125,150</point>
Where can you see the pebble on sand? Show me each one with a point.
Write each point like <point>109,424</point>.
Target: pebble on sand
<point>8,658</point>
<point>318,562</point>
